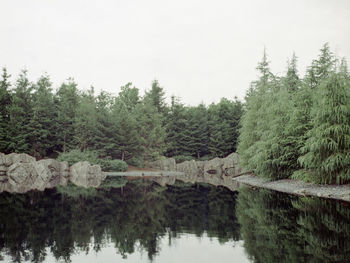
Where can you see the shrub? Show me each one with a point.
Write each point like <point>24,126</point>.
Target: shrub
<point>76,155</point>
<point>107,165</point>
<point>113,165</point>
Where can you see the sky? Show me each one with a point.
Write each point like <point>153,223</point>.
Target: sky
<point>198,50</point>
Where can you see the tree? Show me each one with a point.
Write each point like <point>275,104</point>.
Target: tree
<point>327,148</point>
<point>66,103</point>
<point>126,137</point>
<point>5,102</point>
<point>85,122</point>
<point>156,96</point>
<point>42,125</point>
<point>20,115</point>
<point>150,130</point>
<point>253,123</point>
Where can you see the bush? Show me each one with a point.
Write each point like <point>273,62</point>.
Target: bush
<point>107,165</point>
<point>113,165</point>
<point>182,158</point>
<point>76,155</point>
<point>136,161</point>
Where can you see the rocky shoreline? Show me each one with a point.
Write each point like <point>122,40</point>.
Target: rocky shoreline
<point>20,173</point>
<point>295,187</point>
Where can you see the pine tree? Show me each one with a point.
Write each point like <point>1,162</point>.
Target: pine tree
<point>327,148</point>
<point>253,122</point>
<point>85,122</point>
<point>125,125</point>
<point>150,130</point>
<point>66,103</point>
<point>42,126</point>
<point>156,96</point>
<point>5,102</point>
<point>20,115</point>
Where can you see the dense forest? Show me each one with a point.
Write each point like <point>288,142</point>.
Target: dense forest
<point>299,127</point>
<point>289,126</point>
<point>42,121</point>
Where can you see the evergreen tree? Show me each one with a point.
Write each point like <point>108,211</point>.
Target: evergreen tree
<point>176,126</point>
<point>253,122</point>
<point>5,102</point>
<point>327,147</point>
<point>20,115</point>
<point>42,126</point>
<point>150,130</point>
<point>85,122</point>
<point>198,131</point>
<point>104,142</point>
<point>66,103</point>
<point>156,96</point>
<point>126,137</point>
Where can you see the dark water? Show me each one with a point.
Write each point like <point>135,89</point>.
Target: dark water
<point>145,222</point>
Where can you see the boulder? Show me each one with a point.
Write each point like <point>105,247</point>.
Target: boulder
<point>86,175</point>
<point>213,167</point>
<point>26,176</point>
<point>190,168</point>
<point>168,164</point>
<point>230,165</point>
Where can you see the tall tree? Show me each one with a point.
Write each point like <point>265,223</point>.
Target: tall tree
<point>126,137</point>
<point>85,122</point>
<point>67,102</point>
<point>156,96</point>
<point>5,102</point>
<point>20,115</point>
<point>327,147</point>
<point>42,126</point>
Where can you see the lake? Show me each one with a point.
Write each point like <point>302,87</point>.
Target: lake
<point>142,221</point>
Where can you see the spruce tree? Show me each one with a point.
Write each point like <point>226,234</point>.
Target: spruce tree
<point>66,103</point>
<point>42,126</point>
<point>5,102</point>
<point>327,147</point>
<point>20,115</point>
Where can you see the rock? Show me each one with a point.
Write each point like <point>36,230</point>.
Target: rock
<point>230,165</point>
<point>168,164</point>
<point>190,168</point>
<point>26,176</point>
<point>86,175</point>
<point>213,166</point>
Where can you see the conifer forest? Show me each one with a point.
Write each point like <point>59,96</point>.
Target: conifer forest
<point>289,126</point>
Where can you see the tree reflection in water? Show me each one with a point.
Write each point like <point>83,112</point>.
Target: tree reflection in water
<point>136,215</point>
<point>277,227</point>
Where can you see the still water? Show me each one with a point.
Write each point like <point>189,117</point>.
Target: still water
<point>141,221</point>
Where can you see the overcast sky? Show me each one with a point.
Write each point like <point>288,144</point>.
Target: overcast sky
<point>198,50</point>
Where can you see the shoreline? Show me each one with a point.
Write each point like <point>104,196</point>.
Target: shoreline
<point>295,187</point>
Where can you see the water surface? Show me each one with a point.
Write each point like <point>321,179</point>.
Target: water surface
<point>141,221</point>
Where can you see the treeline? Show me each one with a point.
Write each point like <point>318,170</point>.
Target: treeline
<point>299,127</point>
<point>41,121</point>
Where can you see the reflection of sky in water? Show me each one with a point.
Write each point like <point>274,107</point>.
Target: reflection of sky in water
<point>184,248</point>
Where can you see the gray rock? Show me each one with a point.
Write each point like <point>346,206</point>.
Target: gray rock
<point>86,175</point>
<point>213,166</point>
<point>190,168</point>
<point>168,164</point>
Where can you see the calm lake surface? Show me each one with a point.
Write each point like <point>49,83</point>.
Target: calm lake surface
<point>141,221</point>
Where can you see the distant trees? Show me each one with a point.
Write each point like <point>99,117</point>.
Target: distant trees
<point>36,119</point>
<point>299,127</point>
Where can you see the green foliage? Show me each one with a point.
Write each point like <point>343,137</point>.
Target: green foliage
<point>298,127</point>
<point>182,158</point>
<point>112,165</point>
<point>92,157</point>
<point>327,149</point>
<point>5,102</point>
<point>277,227</point>
<point>75,155</point>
